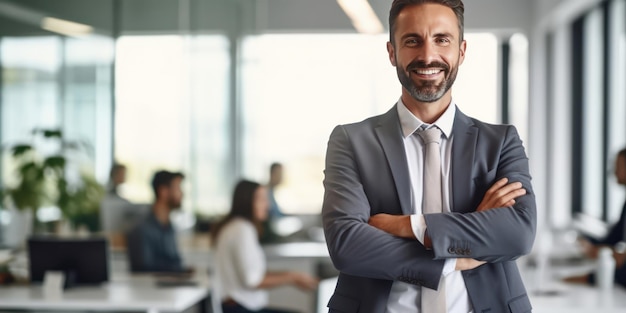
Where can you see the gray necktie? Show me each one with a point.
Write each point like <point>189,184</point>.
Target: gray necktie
<point>432,170</point>
<point>433,301</point>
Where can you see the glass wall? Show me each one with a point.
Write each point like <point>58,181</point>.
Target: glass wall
<point>617,102</point>
<point>586,113</point>
<point>297,87</point>
<point>172,113</point>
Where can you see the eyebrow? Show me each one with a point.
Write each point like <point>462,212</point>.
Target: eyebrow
<point>442,34</point>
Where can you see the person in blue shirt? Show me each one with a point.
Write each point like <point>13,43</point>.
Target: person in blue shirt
<point>276,178</point>
<point>275,213</point>
<point>152,244</point>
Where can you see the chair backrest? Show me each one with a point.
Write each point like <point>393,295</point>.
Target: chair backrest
<point>216,295</point>
<point>134,253</point>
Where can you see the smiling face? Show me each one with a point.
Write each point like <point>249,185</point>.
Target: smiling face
<point>426,52</point>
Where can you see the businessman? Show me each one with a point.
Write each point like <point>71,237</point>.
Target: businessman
<point>426,209</point>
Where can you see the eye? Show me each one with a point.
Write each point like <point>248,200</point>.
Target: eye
<point>442,40</point>
<point>411,42</point>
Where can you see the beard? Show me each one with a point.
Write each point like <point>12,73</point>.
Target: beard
<point>174,204</point>
<point>427,90</point>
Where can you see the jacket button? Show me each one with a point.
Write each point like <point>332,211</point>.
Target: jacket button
<point>451,250</point>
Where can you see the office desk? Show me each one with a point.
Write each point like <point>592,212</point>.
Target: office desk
<point>579,299</point>
<point>549,294</point>
<point>123,295</point>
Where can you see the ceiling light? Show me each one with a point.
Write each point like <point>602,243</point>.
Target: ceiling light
<point>362,16</point>
<point>65,27</point>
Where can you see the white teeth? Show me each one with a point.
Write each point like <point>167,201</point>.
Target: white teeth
<point>428,71</point>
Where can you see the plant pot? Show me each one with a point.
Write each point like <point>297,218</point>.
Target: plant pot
<point>16,226</point>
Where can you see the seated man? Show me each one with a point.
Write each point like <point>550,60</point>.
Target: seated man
<point>152,244</point>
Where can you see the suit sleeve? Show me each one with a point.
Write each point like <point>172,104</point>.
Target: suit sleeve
<point>495,235</point>
<point>355,247</point>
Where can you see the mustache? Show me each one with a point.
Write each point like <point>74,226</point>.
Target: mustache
<point>422,65</point>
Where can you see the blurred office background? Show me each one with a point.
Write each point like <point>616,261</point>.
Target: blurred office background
<point>220,89</point>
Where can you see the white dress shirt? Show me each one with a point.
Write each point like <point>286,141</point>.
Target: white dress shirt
<point>240,265</point>
<point>406,297</point>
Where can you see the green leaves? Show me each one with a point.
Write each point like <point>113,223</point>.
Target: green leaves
<point>20,150</point>
<point>50,179</point>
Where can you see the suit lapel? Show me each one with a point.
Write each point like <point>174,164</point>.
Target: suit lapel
<point>389,135</point>
<point>463,149</point>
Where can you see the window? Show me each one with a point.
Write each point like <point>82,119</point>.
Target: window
<point>617,102</point>
<point>297,87</point>
<point>171,113</point>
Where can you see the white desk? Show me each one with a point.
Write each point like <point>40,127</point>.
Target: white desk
<point>579,299</point>
<point>124,294</point>
<point>549,294</point>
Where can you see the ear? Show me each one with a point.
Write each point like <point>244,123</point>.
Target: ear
<point>163,191</point>
<point>392,53</point>
<point>462,51</point>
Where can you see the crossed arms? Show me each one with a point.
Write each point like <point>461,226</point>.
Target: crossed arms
<point>500,195</point>
<point>501,228</point>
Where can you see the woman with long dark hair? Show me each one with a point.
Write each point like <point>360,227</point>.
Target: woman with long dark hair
<point>240,273</point>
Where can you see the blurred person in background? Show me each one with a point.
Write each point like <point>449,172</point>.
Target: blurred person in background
<point>269,225</point>
<point>241,276</point>
<point>615,239</point>
<point>117,214</point>
<point>152,244</point>
<point>276,178</point>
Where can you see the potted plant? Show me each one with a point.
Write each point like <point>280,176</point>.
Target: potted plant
<point>54,177</point>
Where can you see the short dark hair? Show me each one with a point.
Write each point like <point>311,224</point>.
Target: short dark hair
<point>116,168</point>
<point>622,153</point>
<point>396,7</point>
<point>274,166</point>
<point>164,178</point>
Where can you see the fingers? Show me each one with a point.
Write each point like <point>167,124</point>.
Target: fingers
<point>501,194</point>
<point>497,185</point>
<point>507,197</point>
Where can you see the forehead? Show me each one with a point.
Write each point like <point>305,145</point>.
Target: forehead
<point>427,18</point>
<point>260,191</point>
<point>176,181</point>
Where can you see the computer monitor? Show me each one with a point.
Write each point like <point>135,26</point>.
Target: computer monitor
<point>83,260</point>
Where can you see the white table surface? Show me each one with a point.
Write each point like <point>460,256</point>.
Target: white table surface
<point>550,294</point>
<point>571,298</point>
<point>125,293</point>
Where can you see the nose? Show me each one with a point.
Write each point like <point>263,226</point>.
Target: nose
<point>427,52</point>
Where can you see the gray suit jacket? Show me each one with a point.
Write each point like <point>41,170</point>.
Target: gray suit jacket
<point>366,173</point>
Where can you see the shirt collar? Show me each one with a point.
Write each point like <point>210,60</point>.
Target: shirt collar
<point>410,123</point>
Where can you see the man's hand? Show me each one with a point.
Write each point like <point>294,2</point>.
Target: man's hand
<point>464,264</point>
<point>397,225</point>
<point>501,195</point>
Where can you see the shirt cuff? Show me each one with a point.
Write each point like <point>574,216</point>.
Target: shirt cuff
<point>418,225</point>
<point>448,267</point>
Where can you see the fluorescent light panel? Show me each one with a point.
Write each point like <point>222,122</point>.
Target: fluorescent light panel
<point>362,16</point>
<point>65,27</point>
